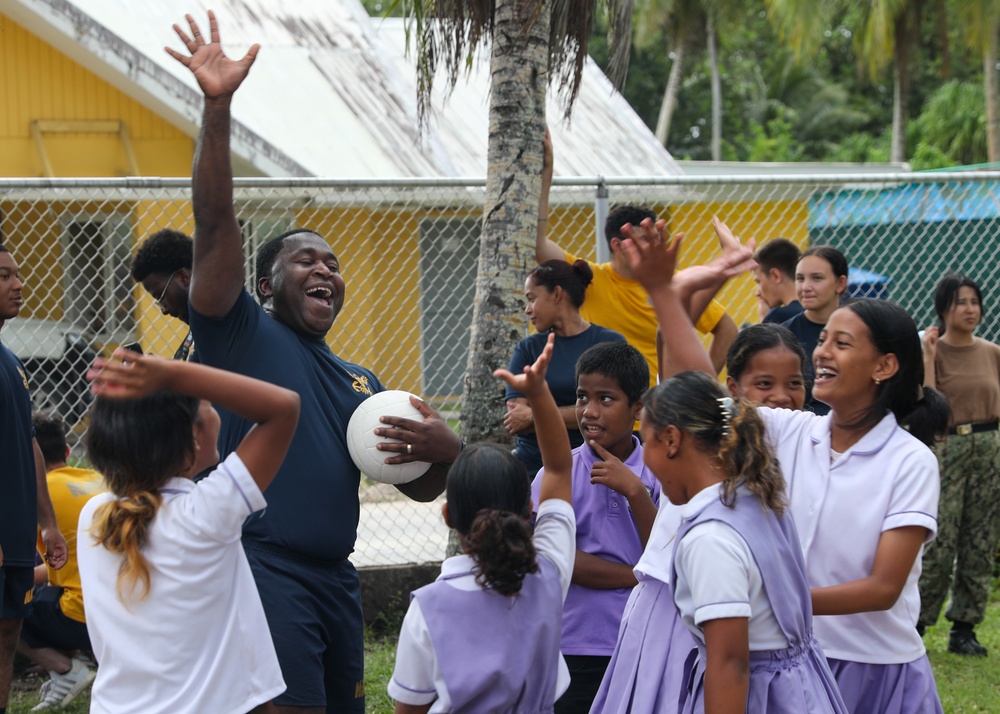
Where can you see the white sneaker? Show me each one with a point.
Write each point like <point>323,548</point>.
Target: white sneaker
<point>63,688</point>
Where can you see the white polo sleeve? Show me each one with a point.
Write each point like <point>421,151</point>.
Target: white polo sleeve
<point>916,485</point>
<point>555,537</point>
<point>713,573</point>
<point>219,504</point>
<point>416,676</point>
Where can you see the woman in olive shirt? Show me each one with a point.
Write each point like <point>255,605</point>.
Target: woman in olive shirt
<point>966,369</point>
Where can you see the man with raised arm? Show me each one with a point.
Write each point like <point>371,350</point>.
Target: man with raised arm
<point>616,300</point>
<point>298,547</point>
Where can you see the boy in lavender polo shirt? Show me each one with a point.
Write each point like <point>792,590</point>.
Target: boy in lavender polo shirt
<point>615,499</point>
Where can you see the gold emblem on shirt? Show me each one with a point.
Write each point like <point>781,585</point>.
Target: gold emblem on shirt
<point>360,385</point>
<point>24,377</point>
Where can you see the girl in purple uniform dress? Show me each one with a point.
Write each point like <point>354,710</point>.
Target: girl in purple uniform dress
<point>765,366</point>
<point>739,582</point>
<point>484,637</point>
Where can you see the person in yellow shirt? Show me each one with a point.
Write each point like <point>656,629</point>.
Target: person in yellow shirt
<point>616,300</point>
<point>55,631</point>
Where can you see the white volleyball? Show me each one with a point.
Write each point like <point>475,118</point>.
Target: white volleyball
<point>361,437</point>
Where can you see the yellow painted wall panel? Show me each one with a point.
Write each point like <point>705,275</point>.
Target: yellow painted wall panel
<point>37,82</point>
<point>762,220</point>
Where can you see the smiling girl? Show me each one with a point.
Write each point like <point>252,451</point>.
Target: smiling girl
<point>862,486</point>
<point>765,365</point>
<point>820,281</point>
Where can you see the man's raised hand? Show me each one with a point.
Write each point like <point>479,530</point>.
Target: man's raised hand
<point>217,75</point>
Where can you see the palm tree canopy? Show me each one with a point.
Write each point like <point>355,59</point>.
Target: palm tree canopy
<point>447,34</point>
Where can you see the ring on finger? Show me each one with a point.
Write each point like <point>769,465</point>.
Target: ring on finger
<point>409,449</point>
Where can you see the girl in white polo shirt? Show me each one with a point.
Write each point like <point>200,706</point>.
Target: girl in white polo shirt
<point>172,610</point>
<point>862,483</point>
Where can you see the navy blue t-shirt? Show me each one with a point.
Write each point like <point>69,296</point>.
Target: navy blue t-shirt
<point>18,486</point>
<point>312,504</point>
<point>808,333</point>
<point>783,313</point>
<point>561,378</point>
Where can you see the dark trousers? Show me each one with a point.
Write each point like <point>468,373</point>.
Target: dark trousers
<point>586,673</point>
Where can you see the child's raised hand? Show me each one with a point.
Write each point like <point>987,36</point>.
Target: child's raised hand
<point>128,375</point>
<point>532,382</point>
<point>651,256</point>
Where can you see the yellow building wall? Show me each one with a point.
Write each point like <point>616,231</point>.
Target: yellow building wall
<point>38,82</point>
<point>760,220</point>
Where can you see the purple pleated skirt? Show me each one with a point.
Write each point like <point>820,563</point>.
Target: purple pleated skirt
<point>646,674</point>
<point>796,680</point>
<point>888,688</point>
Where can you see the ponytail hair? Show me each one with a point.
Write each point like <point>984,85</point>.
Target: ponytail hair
<point>922,411</point>
<point>137,444</point>
<point>122,526</point>
<point>489,501</point>
<point>573,279</point>
<point>728,429</point>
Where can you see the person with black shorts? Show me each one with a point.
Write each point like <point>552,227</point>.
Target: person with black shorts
<point>298,547</point>
<point>24,496</point>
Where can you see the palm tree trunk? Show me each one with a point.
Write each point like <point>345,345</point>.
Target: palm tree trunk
<point>713,58</point>
<point>519,69</point>
<point>673,88</point>
<point>942,28</point>
<point>990,92</point>
<point>900,92</point>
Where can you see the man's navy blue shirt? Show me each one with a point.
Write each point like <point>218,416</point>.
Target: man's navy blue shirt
<point>18,485</point>
<point>312,504</point>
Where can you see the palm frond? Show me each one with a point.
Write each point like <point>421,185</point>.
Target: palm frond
<point>801,23</point>
<point>447,33</point>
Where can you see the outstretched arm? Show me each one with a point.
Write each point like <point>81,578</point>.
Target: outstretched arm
<point>274,410</point>
<point>723,334</point>
<point>217,273</point>
<point>546,249</point>
<point>653,261</point>
<point>553,439</point>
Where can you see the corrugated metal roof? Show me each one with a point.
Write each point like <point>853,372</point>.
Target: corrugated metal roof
<point>331,93</point>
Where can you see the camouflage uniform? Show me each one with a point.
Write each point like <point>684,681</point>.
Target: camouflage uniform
<point>968,529</point>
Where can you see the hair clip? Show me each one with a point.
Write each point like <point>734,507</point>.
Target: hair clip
<point>727,408</point>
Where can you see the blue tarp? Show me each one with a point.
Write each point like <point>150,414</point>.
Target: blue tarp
<point>867,283</point>
<point>906,203</point>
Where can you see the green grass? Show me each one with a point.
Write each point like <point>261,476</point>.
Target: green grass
<point>965,684</point>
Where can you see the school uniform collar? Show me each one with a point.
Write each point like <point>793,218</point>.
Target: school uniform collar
<point>870,443</point>
<point>701,500</point>
<point>457,566</point>
<point>589,457</point>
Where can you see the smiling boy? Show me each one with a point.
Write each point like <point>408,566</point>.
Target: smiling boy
<point>615,499</point>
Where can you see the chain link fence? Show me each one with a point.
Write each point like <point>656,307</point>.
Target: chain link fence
<point>408,251</point>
